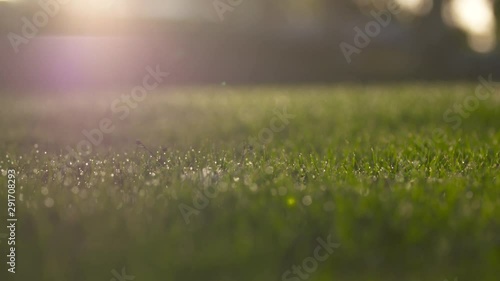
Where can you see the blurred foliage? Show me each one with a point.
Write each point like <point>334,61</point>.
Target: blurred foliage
<point>257,41</point>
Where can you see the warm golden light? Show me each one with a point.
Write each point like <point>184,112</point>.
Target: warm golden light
<point>99,8</point>
<point>475,17</point>
<point>417,7</point>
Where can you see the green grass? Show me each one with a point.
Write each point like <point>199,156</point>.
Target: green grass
<point>361,165</point>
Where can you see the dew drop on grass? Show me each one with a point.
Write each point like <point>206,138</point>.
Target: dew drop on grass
<point>247,180</point>
<point>469,195</point>
<point>290,201</point>
<point>307,200</point>
<point>49,202</point>
<point>269,170</point>
<point>253,187</point>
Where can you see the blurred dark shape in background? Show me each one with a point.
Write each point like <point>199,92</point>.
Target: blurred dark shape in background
<point>106,44</point>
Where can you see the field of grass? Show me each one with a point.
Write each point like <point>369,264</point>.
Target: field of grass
<point>225,184</point>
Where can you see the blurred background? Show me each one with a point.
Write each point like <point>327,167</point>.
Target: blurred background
<point>98,44</point>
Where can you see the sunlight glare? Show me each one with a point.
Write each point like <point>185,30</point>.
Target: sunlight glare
<point>475,17</point>
<point>417,7</point>
<point>100,8</point>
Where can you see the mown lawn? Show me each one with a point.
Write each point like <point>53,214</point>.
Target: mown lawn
<point>223,183</point>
